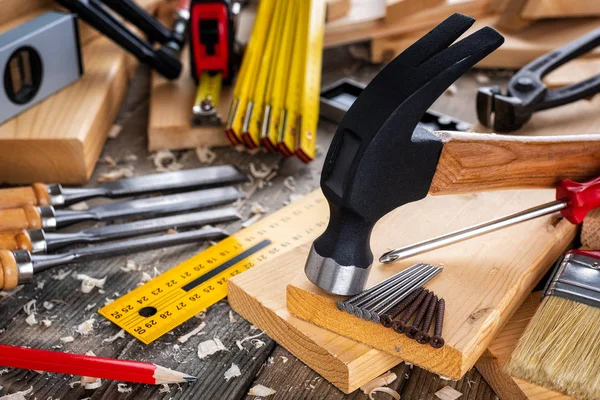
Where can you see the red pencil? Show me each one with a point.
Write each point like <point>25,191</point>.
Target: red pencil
<point>96,367</point>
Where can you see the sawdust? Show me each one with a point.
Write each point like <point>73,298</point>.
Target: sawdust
<point>123,388</point>
<point>91,383</point>
<point>290,183</point>
<point>205,155</point>
<point>210,347</point>
<point>29,307</point>
<point>232,318</point>
<point>166,161</point>
<point>382,380</point>
<point>448,393</point>
<point>46,323</point>
<point>115,131</point>
<point>232,372</point>
<point>130,266</point>
<point>251,220</point>
<point>115,174</point>
<point>11,293</point>
<point>67,339</point>
<point>86,327</point>
<point>194,332</point>
<point>60,275</point>
<point>164,388</point>
<point>88,283</point>
<point>261,391</point>
<point>30,320</point>
<point>17,395</point>
<point>118,335</point>
<point>48,305</point>
<point>247,338</point>
<point>383,389</point>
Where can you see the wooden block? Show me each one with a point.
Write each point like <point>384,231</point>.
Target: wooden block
<point>400,9</point>
<point>16,9</point>
<point>539,9</point>
<point>364,16</point>
<point>492,363</point>
<point>511,19</point>
<point>484,281</point>
<point>171,102</point>
<point>517,50</point>
<point>60,139</point>
<point>337,9</point>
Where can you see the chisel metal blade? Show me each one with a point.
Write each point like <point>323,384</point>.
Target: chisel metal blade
<point>28,265</point>
<point>165,182</point>
<point>42,242</point>
<point>150,207</point>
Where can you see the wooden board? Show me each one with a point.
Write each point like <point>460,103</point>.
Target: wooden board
<point>499,351</point>
<point>337,9</point>
<point>169,126</point>
<point>484,281</point>
<point>400,9</point>
<point>517,50</point>
<point>538,9</point>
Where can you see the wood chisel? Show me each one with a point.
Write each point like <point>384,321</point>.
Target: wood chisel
<point>19,267</point>
<point>377,164</point>
<point>40,194</point>
<point>37,241</point>
<point>47,218</point>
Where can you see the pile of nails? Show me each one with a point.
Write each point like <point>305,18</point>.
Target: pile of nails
<point>403,292</point>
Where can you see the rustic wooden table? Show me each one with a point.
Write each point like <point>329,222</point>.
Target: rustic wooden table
<point>270,365</point>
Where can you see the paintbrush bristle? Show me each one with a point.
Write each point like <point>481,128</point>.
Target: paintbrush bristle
<point>560,349</point>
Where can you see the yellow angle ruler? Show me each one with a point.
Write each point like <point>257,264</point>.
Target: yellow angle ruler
<point>167,301</point>
<point>207,99</point>
<point>307,138</point>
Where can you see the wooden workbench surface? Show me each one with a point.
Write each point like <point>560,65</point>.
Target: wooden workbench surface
<point>269,365</point>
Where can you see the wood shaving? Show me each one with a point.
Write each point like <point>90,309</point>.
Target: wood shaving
<point>194,332</point>
<point>290,183</point>
<point>40,284</point>
<point>205,155</point>
<point>130,158</point>
<point>251,220</point>
<point>29,307</point>
<point>46,323</point>
<point>452,90</point>
<point>118,335</point>
<point>30,320</point>
<point>10,293</point>
<point>67,339</point>
<point>444,378</point>
<point>115,131</point>
<point>90,353</point>
<point>284,359</point>
<point>123,388</point>
<point>109,160</point>
<point>86,327</point>
<point>482,78</point>
<point>384,389</point>
<point>81,206</point>
<point>130,266</point>
<point>164,388</point>
<point>261,391</point>
<point>88,283</point>
<point>146,277</point>
<point>4,371</point>
<point>201,315</point>
<point>382,380</point>
<point>293,197</point>
<point>448,393</point>
<point>232,372</point>
<point>257,343</point>
<point>257,208</point>
<point>60,275</point>
<point>261,173</point>
<point>75,383</point>
<point>247,338</point>
<point>232,318</point>
<point>90,383</point>
<point>210,347</point>
<point>90,306</point>
<point>115,174</point>
<point>17,395</point>
<point>166,161</point>
<point>48,305</point>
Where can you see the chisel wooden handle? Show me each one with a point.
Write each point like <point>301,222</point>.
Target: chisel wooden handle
<point>9,271</point>
<point>472,162</point>
<point>36,195</point>
<point>15,241</point>
<point>18,219</point>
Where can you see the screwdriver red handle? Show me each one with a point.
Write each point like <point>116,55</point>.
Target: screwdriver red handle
<point>581,198</point>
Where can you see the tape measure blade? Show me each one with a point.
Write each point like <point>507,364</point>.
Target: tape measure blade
<point>167,301</point>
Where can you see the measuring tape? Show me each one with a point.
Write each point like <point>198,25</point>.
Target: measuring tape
<point>167,301</point>
<point>207,98</point>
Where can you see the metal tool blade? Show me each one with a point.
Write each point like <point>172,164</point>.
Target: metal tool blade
<point>164,182</point>
<point>51,242</point>
<point>150,207</point>
<point>85,254</point>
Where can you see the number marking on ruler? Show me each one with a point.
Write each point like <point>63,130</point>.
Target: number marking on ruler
<point>172,298</point>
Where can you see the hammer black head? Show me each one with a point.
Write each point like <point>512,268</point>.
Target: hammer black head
<point>379,159</point>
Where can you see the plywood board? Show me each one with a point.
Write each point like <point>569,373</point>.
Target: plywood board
<point>169,126</point>
<point>501,348</point>
<point>517,50</point>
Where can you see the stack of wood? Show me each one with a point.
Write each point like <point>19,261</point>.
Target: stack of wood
<point>531,27</point>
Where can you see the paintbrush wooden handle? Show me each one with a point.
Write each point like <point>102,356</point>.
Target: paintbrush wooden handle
<point>18,219</point>
<point>35,195</point>
<point>472,162</point>
<point>9,273</point>
<point>15,241</point>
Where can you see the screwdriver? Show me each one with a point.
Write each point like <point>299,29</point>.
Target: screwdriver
<point>40,194</point>
<point>49,219</point>
<point>574,200</point>
<point>37,241</point>
<point>19,267</point>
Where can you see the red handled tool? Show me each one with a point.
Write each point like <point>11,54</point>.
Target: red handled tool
<point>211,43</point>
<point>574,200</point>
<point>97,367</point>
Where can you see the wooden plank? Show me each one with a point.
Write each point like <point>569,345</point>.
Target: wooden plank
<point>499,351</point>
<point>59,140</point>
<point>478,302</point>
<point>517,50</point>
<point>364,15</point>
<point>337,9</point>
<point>539,9</point>
<point>510,18</point>
<point>16,9</point>
<point>169,125</point>
<point>400,9</point>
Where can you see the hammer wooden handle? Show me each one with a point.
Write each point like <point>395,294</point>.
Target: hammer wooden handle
<point>36,195</point>
<point>18,219</point>
<point>472,162</point>
<point>15,241</point>
<point>9,272</point>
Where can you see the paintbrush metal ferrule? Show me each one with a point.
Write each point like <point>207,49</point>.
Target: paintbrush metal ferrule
<point>577,277</point>
<point>163,182</point>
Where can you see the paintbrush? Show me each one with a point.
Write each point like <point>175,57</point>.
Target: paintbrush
<point>560,348</point>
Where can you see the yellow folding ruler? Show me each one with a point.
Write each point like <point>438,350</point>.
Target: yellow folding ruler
<point>167,301</point>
